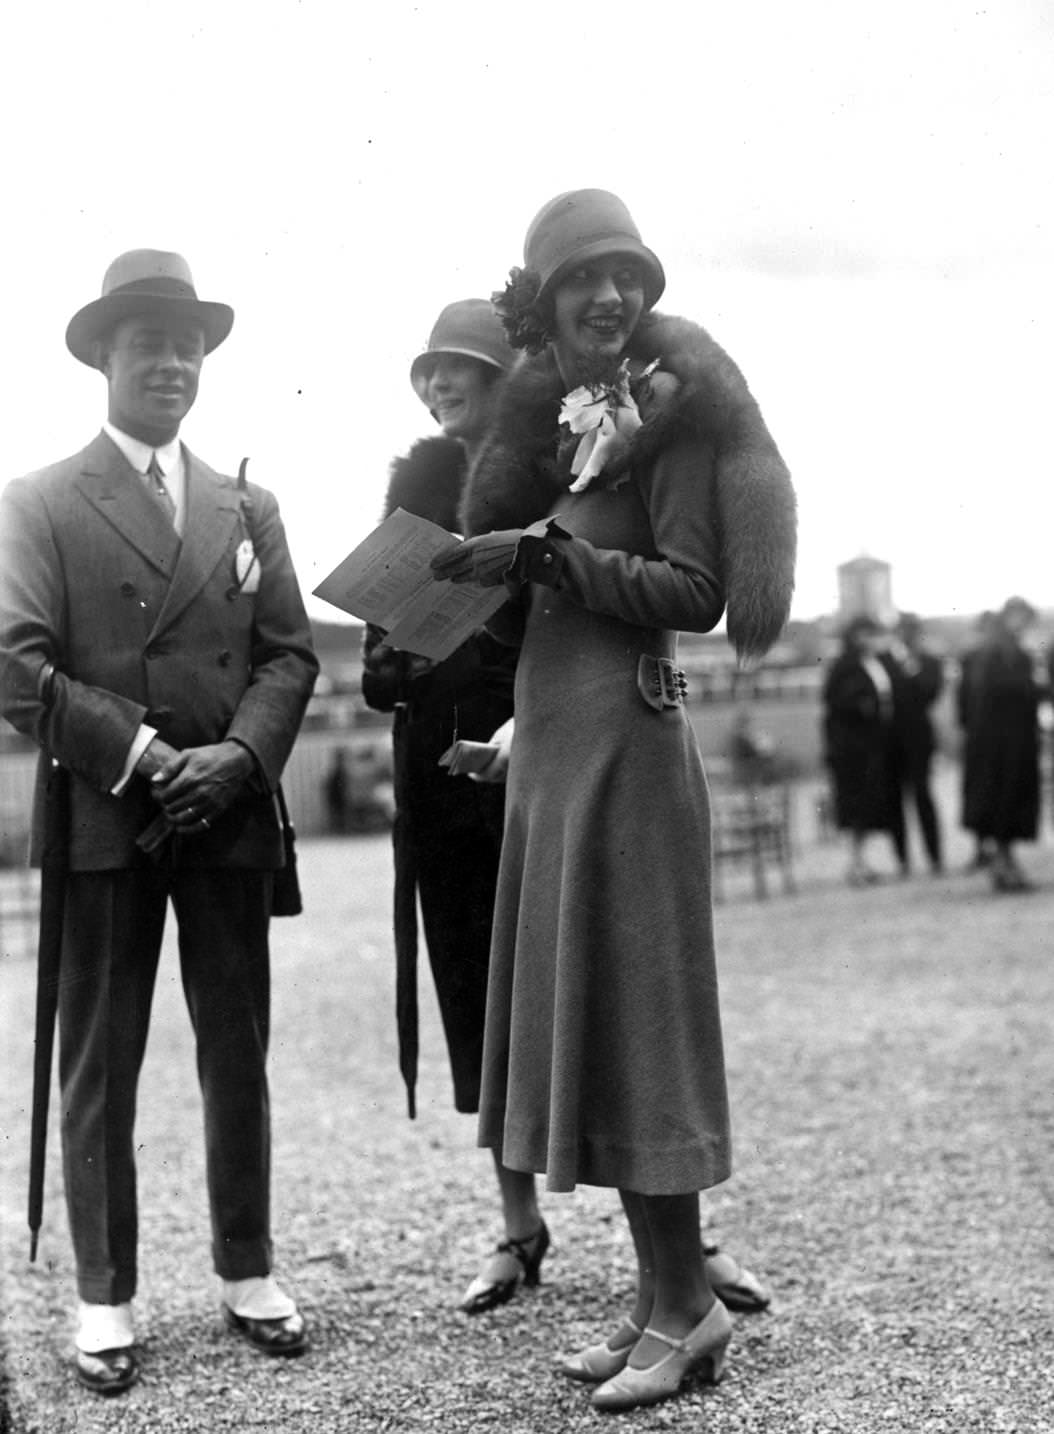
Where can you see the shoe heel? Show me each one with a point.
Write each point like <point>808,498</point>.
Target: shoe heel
<point>532,1263</point>
<point>712,1369</point>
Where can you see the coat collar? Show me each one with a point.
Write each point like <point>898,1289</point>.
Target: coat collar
<point>428,481</point>
<point>116,491</point>
<point>523,470</point>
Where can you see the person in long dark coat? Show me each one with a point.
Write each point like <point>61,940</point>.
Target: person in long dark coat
<point>1001,709</point>
<point>447,831</point>
<point>968,662</point>
<point>918,678</point>
<point>860,745</point>
<point>603,1058</point>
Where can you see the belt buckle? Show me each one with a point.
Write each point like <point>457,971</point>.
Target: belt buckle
<point>661,683</point>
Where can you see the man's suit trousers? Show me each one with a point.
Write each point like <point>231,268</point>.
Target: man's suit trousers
<point>114,922</point>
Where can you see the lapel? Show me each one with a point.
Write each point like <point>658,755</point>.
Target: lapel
<point>116,491</point>
<point>213,512</point>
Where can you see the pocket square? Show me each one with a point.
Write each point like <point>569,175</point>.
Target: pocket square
<point>246,567</point>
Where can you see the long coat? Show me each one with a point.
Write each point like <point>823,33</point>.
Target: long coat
<point>447,831</point>
<point>999,705</point>
<point>144,628</point>
<point>917,683</point>
<point>603,1059</point>
<point>860,748</point>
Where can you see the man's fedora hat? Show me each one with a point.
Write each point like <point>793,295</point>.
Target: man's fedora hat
<point>145,281</point>
<point>469,327</point>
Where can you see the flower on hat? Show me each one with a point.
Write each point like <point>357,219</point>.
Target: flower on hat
<point>515,306</point>
<point>607,417</point>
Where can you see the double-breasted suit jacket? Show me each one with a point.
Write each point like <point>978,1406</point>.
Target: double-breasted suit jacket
<point>203,638</point>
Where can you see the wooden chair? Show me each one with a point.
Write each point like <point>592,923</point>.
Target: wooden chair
<point>752,826</point>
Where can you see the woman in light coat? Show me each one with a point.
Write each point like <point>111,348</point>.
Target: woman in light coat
<point>629,489</point>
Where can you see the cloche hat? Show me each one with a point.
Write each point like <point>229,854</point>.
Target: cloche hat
<point>145,281</point>
<point>469,327</point>
<point>584,224</point>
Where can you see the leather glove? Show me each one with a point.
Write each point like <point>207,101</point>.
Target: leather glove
<point>484,560</point>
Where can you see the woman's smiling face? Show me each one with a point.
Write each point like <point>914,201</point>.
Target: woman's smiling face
<point>597,305</point>
<point>460,394</point>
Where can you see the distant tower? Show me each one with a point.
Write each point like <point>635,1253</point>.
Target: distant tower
<point>865,587</point>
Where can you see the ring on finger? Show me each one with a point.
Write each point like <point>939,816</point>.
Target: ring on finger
<point>205,823</point>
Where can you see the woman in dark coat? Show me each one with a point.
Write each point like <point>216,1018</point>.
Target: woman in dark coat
<point>860,745</point>
<point>668,499</point>
<point>447,833</point>
<point>999,707</point>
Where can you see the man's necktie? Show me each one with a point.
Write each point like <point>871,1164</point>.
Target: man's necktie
<point>157,482</point>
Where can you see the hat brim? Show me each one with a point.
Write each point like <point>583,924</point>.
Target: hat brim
<point>96,319</point>
<point>423,366</point>
<point>654,274</point>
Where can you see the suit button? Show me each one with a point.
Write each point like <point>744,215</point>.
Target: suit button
<point>547,558</point>
<point>128,589</point>
<point>225,658</point>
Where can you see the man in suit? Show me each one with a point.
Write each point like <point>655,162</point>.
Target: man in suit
<point>154,642</point>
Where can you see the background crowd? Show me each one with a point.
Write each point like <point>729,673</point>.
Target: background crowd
<point>880,739</point>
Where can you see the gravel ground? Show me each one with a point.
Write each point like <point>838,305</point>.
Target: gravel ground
<point>892,1074</point>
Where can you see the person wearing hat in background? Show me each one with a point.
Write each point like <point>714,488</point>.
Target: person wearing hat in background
<point>154,643</point>
<point>1001,796</point>
<point>628,488</point>
<point>447,832</point>
<point>860,745</point>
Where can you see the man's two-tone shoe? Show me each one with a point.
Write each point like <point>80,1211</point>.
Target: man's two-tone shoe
<point>285,1336</point>
<point>107,1371</point>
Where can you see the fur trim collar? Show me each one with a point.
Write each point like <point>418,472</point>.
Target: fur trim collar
<point>525,467</point>
<point>428,481</point>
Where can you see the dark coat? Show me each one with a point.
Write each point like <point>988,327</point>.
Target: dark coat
<point>860,748</point>
<point>603,1058</point>
<point>916,686</point>
<point>447,833</point>
<point>999,705</point>
<point>144,628</point>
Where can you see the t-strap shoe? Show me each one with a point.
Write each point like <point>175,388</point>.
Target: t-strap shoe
<point>486,1292</point>
<point>600,1361</point>
<point>701,1351</point>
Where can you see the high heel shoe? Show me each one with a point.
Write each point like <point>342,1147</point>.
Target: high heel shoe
<point>485,1293</point>
<point>599,1361</point>
<point>702,1350</point>
<point>734,1285</point>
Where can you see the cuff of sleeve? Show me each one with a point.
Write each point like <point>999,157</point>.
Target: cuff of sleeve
<point>256,779</point>
<point>140,742</point>
<point>538,556</point>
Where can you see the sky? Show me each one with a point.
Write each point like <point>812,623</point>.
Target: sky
<point>857,203</point>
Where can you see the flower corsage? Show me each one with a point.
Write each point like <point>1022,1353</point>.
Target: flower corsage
<point>607,417</point>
